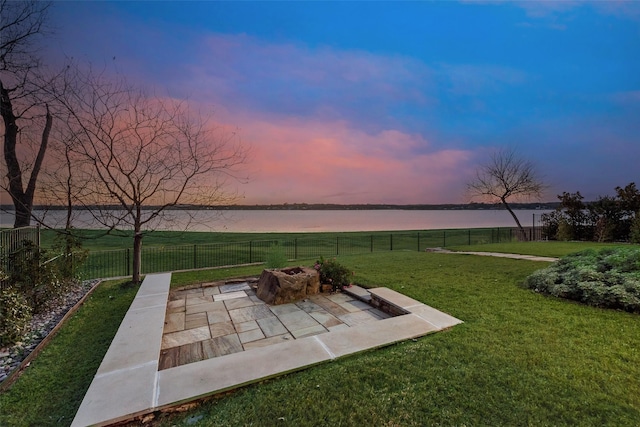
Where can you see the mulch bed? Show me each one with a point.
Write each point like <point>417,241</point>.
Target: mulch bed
<point>41,325</point>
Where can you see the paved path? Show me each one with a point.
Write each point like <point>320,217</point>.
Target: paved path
<point>500,255</point>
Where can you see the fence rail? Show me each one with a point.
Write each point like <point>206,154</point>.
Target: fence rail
<point>116,263</point>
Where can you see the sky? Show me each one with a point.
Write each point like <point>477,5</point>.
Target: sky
<point>387,102</point>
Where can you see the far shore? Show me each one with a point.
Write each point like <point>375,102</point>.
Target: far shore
<point>327,206</point>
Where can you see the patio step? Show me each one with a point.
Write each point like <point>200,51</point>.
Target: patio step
<point>358,292</point>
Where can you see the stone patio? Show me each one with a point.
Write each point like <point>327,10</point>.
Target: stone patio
<point>176,348</point>
<point>219,319</point>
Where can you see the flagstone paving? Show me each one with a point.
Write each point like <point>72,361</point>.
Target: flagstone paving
<point>221,319</point>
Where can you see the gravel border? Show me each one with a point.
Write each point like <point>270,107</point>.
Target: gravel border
<point>40,327</point>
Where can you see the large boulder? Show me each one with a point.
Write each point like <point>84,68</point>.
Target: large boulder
<point>287,285</point>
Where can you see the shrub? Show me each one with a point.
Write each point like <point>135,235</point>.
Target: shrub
<point>15,314</point>
<point>72,254</point>
<point>635,229</point>
<point>34,277</point>
<point>276,258</point>
<point>564,231</point>
<point>609,278</point>
<point>333,273</point>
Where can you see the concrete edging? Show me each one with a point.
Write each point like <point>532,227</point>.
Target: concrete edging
<point>126,379</point>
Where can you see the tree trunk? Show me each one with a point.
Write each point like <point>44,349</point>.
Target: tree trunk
<point>137,256</point>
<point>506,205</point>
<point>14,174</point>
<point>22,200</point>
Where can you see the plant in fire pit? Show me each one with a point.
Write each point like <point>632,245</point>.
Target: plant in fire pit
<point>333,273</point>
<point>276,258</point>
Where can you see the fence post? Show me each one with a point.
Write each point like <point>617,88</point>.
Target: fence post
<point>250,251</point>
<point>371,242</point>
<point>195,256</point>
<point>469,237</point>
<point>390,242</point>
<point>444,239</point>
<point>337,245</point>
<point>295,248</point>
<point>128,259</point>
<point>418,241</point>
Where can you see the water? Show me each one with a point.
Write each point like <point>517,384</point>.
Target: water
<point>262,221</point>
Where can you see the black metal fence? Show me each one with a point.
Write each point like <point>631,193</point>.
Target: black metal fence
<point>12,242</point>
<point>116,263</point>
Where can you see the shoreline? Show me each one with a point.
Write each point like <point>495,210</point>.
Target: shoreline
<point>320,207</point>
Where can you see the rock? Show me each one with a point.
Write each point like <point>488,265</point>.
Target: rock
<point>287,285</point>
<point>327,288</point>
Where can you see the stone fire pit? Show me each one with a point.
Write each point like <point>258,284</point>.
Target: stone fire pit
<point>287,285</point>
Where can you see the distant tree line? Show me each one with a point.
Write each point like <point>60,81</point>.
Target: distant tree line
<point>324,206</point>
<point>371,206</point>
<point>609,218</point>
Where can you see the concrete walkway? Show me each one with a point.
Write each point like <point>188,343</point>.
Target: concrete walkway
<point>500,255</point>
<point>130,381</point>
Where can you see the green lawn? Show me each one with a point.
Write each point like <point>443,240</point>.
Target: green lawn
<point>519,359</point>
<point>50,391</point>
<point>111,255</point>
<point>96,240</point>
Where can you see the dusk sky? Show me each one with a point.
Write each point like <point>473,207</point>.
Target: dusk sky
<point>388,102</point>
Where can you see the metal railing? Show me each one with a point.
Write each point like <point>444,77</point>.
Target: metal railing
<point>116,263</point>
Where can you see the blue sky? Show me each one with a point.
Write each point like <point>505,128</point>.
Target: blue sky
<point>388,102</point>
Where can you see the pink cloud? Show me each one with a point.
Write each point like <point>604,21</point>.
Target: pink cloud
<point>329,153</point>
<point>314,161</point>
<point>292,105</point>
<point>242,70</point>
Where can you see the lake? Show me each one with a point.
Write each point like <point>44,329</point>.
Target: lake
<point>263,221</point>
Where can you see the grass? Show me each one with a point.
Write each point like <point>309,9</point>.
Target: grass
<point>96,240</point>
<point>50,391</point>
<point>201,276</point>
<point>110,255</point>
<point>519,359</point>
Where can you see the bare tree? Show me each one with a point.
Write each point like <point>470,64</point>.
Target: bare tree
<point>141,155</point>
<point>507,176</point>
<point>20,26</point>
<point>63,184</point>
